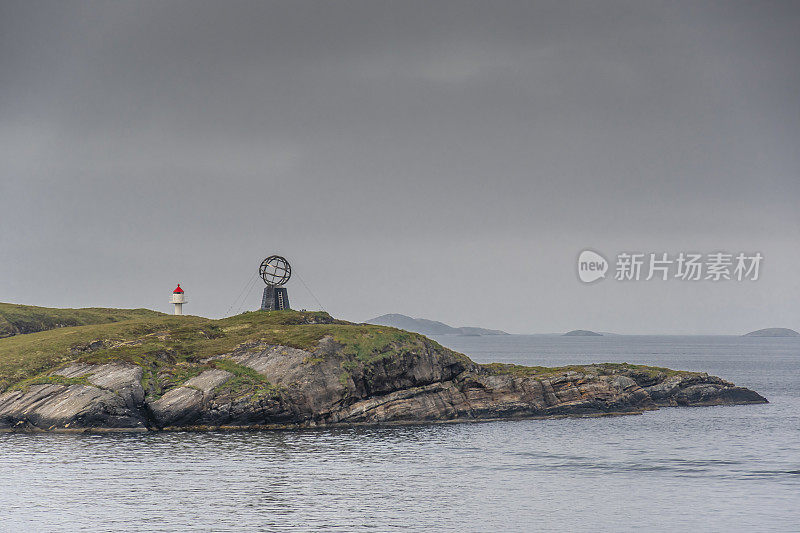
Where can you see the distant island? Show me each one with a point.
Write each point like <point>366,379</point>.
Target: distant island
<point>773,332</point>
<point>582,333</point>
<point>428,327</point>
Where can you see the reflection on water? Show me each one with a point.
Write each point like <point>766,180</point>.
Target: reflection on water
<point>718,468</point>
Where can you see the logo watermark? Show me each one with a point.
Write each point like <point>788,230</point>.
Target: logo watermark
<point>591,266</point>
<point>662,266</point>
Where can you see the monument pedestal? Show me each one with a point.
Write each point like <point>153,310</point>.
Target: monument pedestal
<point>275,299</point>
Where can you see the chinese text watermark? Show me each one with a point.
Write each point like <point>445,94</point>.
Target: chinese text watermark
<point>684,266</point>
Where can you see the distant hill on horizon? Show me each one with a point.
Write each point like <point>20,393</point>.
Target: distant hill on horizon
<point>424,326</point>
<point>773,332</point>
<point>582,333</point>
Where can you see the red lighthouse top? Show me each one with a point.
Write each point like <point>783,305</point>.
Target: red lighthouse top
<point>178,290</point>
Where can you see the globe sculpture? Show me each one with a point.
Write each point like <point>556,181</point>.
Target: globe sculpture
<point>275,271</point>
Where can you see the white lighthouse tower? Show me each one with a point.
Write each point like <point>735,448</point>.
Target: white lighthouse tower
<point>178,300</point>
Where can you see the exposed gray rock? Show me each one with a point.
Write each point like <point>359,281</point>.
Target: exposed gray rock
<point>180,405</point>
<point>125,380</point>
<point>184,405</point>
<point>74,370</point>
<point>64,407</point>
<point>208,380</point>
<point>419,382</point>
<point>666,389</point>
<point>280,364</point>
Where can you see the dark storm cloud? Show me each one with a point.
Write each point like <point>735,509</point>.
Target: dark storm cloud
<point>399,150</point>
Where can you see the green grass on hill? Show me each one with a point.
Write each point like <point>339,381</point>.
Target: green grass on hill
<point>18,319</point>
<point>172,347</point>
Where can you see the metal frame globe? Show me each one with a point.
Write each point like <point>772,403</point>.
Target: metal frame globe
<point>275,270</point>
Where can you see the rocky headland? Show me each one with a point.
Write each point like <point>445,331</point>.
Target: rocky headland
<point>302,369</point>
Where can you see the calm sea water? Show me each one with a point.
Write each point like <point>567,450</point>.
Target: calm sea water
<point>680,469</point>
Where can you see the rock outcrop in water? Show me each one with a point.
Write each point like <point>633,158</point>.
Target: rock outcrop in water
<point>178,374</point>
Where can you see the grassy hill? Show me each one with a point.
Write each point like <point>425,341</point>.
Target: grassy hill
<point>175,346</point>
<point>242,371</point>
<point>18,319</point>
<point>167,345</point>
<point>171,349</point>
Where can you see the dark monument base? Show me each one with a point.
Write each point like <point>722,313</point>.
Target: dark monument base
<point>275,299</point>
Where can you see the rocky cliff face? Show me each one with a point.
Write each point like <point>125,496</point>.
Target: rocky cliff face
<point>258,384</point>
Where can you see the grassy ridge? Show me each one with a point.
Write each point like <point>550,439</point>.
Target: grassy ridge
<point>170,349</point>
<point>18,319</point>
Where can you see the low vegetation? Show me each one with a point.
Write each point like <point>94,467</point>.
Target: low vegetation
<point>50,380</point>
<point>18,319</point>
<point>173,349</point>
<point>245,382</point>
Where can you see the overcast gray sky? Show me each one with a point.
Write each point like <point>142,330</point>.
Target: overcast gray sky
<point>439,159</point>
